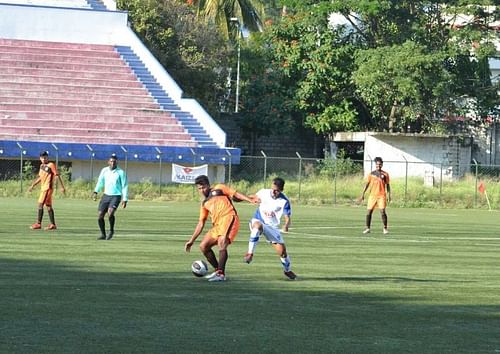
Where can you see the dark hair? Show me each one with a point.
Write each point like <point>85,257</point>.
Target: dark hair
<point>202,179</point>
<point>113,156</point>
<point>378,159</point>
<point>279,182</point>
<point>44,153</point>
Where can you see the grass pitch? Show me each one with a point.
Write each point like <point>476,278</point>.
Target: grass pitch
<point>431,286</point>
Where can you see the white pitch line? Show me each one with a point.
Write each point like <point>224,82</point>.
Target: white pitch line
<point>423,239</point>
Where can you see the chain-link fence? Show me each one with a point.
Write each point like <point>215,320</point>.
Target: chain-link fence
<point>310,181</point>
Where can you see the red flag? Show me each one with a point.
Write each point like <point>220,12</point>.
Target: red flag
<point>481,188</point>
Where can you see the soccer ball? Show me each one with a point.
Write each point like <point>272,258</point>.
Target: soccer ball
<point>199,268</point>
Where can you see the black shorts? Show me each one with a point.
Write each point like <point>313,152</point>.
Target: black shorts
<point>109,202</point>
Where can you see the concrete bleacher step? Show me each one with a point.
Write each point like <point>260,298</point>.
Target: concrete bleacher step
<point>94,133</point>
<point>103,52</point>
<point>48,100</point>
<point>97,140</point>
<point>69,74</point>
<point>85,94</point>
<point>30,94</point>
<point>108,67</point>
<point>138,117</point>
<point>34,79</point>
<point>157,91</point>
<point>39,58</point>
<point>47,44</point>
<point>49,87</point>
<point>61,123</point>
<point>20,107</point>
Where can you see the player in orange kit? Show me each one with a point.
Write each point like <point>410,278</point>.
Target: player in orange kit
<point>46,175</point>
<point>380,194</point>
<point>218,203</point>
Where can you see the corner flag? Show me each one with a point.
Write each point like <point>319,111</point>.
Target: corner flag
<point>481,188</point>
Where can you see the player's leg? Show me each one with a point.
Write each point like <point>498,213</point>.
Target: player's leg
<point>206,248</point>
<point>41,203</point>
<point>101,212</point>
<point>50,211</point>
<point>382,204</point>
<point>368,221</point>
<point>372,202</point>
<point>39,218</point>
<point>383,215</point>
<point>255,231</point>
<point>273,235</point>
<point>285,260</point>
<point>112,207</point>
<point>111,218</point>
<point>226,233</point>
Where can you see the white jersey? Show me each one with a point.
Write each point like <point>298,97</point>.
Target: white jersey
<point>270,210</point>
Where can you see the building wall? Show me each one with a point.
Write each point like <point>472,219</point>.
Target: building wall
<point>138,171</point>
<point>306,143</point>
<point>419,155</point>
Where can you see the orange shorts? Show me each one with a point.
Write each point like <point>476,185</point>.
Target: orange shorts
<point>45,197</point>
<point>229,226</point>
<point>379,202</point>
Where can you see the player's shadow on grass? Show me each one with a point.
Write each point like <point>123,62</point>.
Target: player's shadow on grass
<point>384,279</point>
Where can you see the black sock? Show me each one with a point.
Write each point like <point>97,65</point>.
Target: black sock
<point>210,255</point>
<point>52,217</point>
<point>368,220</point>
<point>223,256</point>
<point>384,220</point>
<point>112,223</point>
<point>102,226</point>
<point>40,215</point>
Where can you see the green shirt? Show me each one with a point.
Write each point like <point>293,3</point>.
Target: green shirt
<point>114,182</point>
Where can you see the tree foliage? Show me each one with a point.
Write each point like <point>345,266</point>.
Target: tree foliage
<point>192,51</point>
<point>385,64</point>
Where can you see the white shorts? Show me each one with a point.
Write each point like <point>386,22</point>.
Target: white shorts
<point>272,234</point>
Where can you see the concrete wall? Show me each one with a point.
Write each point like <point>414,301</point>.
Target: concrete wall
<point>138,171</point>
<point>419,155</point>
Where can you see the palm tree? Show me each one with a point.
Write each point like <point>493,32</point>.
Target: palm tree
<point>250,13</point>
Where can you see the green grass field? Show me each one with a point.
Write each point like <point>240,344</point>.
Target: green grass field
<point>431,286</point>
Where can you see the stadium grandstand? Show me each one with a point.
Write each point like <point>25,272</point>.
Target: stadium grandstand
<point>76,81</point>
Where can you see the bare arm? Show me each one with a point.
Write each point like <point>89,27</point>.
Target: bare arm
<point>35,182</point>
<point>197,231</point>
<point>61,183</point>
<point>364,191</point>
<point>287,223</point>
<point>252,199</point>
<point>388,192</point>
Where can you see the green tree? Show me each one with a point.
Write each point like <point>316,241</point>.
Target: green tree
<point>192,51</point>
<point>220,12</point>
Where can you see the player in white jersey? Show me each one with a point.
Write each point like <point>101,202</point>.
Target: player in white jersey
<point>273,204</point>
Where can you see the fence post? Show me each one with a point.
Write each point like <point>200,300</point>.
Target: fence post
<point>475,189</point>
<point>194,164</point>
<point>126,158</point>
<point>21,166</point>
<point>229,166</point>
<point>57,160</point>
<point>265,167</point>
<point>441,182</point>
<point>91,162</point>
<point>159,172</point>
<point>300,173</point>
<point>334,182</point>
<point>406,176</point>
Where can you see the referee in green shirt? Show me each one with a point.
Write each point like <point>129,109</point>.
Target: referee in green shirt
<point>114,181</point>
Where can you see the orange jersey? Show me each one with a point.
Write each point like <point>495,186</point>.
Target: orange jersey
<point>378,181</point>
<point>47,174</point>
<point>218,204</point>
